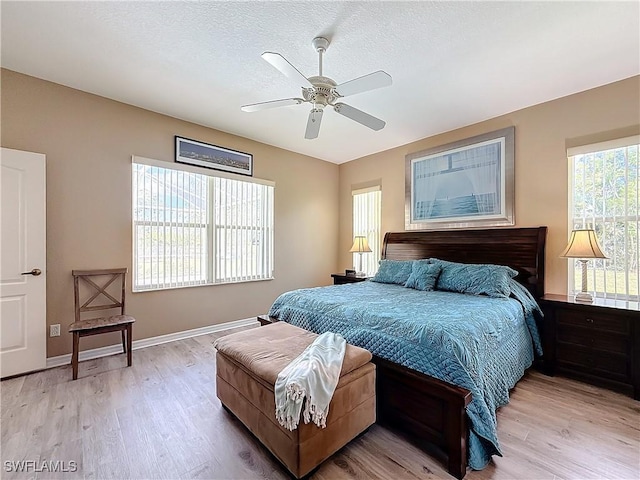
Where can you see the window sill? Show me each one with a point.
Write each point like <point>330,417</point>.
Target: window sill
<point>156,289</point>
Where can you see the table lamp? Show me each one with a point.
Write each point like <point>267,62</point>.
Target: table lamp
<point>360,245</point>
<point>583,245</point>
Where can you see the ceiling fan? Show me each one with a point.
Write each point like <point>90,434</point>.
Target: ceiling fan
<point>321,91</point>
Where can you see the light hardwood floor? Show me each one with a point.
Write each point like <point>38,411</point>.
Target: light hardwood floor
<point>161,418</point>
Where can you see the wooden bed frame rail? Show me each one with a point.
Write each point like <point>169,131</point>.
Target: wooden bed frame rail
<point>425,408</point>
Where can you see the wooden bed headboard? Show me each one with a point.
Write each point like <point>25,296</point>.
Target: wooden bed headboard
<point>520,248</point>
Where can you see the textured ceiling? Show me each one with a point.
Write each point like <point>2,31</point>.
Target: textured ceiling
<point>452,63</point>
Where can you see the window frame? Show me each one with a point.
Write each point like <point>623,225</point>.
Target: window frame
<point>376,243</point>
<point>591,222</point>
<point>210,224</point>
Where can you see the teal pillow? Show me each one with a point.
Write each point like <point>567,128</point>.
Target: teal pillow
<point>476,279</point>
<point>393,271</point>
<point>423,276</point>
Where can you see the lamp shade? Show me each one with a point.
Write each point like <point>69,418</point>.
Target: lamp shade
<point>360,245</point>
<point>583,244</point>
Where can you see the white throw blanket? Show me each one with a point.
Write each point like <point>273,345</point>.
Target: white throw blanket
<point>314,376</point>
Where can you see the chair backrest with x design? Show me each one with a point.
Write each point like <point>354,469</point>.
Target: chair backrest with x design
<point>111,276</point>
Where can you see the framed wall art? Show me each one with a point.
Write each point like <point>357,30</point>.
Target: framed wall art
<point>469,183</point>
<point>202,154</point>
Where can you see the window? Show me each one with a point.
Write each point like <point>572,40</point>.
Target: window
<point>195,229</point>
<point>366,221</point>
<point>604,193</point>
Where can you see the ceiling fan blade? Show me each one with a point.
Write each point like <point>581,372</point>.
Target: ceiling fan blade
<point>286,68</point>
<point>254,107</point>
<point>372,81</point>
<point>313,124</point>
<point>359,116</point>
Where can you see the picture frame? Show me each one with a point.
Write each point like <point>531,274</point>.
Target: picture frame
<point>464,184</point>
<point>201,154</point>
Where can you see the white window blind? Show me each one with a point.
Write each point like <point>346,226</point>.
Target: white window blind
<point>604,195</point>
<point>195,229</point>
<point>244,230</point>
<point>366,221</point>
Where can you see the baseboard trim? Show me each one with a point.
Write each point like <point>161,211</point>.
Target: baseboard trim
<point>149,342</point>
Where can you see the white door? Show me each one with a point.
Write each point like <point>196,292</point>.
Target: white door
<point>22,262</point>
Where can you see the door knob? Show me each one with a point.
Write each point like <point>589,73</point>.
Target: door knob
<point>35,272</point>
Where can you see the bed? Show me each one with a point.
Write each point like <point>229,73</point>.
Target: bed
<point>439,379</point>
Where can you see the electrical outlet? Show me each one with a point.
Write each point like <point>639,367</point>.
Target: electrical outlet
<point>54,330</point>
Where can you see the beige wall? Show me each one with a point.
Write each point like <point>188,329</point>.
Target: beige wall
<point>543,132</point>
<point>89,140</point>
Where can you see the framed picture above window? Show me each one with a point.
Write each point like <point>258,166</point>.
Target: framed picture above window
<point>465,184</point>
<point>203,154</point>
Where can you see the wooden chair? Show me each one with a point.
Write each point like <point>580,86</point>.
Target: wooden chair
<point>95,326</point>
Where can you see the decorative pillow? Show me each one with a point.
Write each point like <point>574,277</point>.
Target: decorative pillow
<point>393,271</point>
<point>423,276</point>
<point>491,280</point>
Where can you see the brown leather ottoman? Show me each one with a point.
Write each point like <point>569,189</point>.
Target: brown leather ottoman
<point>248,364</point>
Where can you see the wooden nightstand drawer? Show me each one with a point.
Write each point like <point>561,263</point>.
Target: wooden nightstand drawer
<point>592,320</point>
<point>603,341</point>
<point>615,367</point>
<point>598,343</point>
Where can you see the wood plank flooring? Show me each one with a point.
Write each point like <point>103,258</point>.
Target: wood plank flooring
<point>161,419</point>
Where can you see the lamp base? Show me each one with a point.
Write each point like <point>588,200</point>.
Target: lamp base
<point>583,297</point>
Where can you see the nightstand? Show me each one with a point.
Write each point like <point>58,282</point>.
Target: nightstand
<point>341,278</point>
<point>598,343</point>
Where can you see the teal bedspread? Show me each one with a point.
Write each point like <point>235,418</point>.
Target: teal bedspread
<point>479,343</point>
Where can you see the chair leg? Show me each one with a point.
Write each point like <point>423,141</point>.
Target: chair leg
<point>129,343</point>
<point>124,341</point>
<point>74,355</point>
